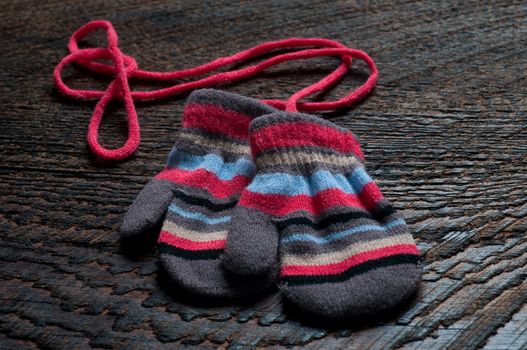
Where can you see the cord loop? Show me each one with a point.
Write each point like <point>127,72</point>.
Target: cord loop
<point>124,67</point>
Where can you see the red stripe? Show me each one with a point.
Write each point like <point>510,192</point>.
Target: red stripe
<point>305,134</point>
<point>182,243</point>
<point>201,178</point>
<point>370,195</point>
<point>336,268</point>
<point>279,204</point>
<point>216,119</point>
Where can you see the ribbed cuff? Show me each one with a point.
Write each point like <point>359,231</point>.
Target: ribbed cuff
<point>229,101</point>
<point>222,113</point>
<point>296,139</point>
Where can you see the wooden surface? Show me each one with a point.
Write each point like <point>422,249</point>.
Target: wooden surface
<point>444,133</point>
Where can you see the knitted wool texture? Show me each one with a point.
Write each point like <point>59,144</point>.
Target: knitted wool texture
<point>207,170</point>
<point>343,249</point>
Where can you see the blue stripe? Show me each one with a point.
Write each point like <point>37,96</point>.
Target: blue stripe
<point>292,185</point>
<point>306,237</point>
<point>198,216</point>
<point>211,162</point>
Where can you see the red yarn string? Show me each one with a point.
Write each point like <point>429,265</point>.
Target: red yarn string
<point>125,67</point>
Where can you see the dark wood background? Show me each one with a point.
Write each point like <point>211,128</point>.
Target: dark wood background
<point>444,133</point>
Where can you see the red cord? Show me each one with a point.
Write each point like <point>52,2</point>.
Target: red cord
<point>125,67</point>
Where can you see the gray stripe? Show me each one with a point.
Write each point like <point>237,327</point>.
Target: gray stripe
<point>198,192</point>
<point>199,150</point>
<point>339,210</point>
<point>310,149</point>
<point>334,227</point>
<point>308,168</point>
<point>318,218</point>
<point>214,142</point>
<point>200,208</point>
<point>213,136</point>
<point>204,195</point>
<point>296,158</point>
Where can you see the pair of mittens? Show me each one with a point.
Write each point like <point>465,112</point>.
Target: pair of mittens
<point>194,196</point>
<point>342,249</point>
<point>306,211</point>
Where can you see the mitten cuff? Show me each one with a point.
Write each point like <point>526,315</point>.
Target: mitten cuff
<point>223,113</point>
<point>299,141</point>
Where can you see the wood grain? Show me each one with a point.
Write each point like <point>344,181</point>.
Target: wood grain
<point>445,134</point>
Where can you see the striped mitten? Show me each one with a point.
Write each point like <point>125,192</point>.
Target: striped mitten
<point>207,170</point>
<point>343,250</point>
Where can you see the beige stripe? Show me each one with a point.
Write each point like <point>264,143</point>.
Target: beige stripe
<point>300,157</point>
<point>353,249</point>
<point>216,143</point>
<point>195,236</point>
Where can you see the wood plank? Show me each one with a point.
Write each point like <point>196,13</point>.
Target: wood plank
<point>444,134</point>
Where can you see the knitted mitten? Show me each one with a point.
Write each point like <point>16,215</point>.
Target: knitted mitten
<point>207,169</point>
<point>344,251</point>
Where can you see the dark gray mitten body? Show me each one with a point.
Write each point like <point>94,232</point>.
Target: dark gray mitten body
<point>344,251</point>
<point>196,195</point>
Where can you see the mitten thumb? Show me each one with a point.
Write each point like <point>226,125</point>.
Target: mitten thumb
<point>148,209</point>
<point>252,243</point>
